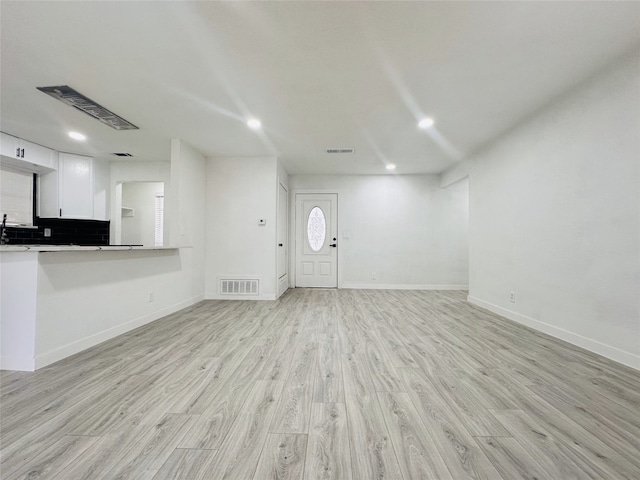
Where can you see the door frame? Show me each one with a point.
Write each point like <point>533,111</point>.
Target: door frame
<point>284,282</point>
<point>292,231</point>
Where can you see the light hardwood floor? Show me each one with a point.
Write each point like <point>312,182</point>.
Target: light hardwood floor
<point>325,384</point>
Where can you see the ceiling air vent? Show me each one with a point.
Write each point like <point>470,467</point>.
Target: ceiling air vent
<point>68,95</point>
<point>340,150</point>
<point>122,154</point>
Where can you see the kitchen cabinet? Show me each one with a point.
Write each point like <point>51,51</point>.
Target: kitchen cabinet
<point>75,180</point>
<point>67,192</point>
<point>26,155</point>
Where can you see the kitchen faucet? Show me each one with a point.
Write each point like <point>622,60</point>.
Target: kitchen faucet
<point>4,239</point>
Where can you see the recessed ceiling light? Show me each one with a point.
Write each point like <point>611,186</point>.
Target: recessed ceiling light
<point>77,136</point>
<point>425,123</point>
<point>254,123</point>
<point>391,166</point>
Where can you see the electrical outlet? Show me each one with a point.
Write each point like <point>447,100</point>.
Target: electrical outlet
<point>150,297</point>
<point>47,232</point>
<point>512,296</point>
<point>374,276</point>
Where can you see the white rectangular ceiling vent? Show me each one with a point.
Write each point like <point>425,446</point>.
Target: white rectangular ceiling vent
<point>75,99</point>
<point>239,286</point>
<point>340,150</point>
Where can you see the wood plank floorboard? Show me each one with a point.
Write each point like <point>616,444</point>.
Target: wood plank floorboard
<point>325,384</point>
<point>328,455</point>
<point>283,457</point>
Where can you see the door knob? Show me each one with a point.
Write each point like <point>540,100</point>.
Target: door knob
<point>333,245</point>
<point>279,244</point>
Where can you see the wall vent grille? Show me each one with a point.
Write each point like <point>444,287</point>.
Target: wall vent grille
<point>239,287</point>
<point>340,150</point>
<point>75,99</point>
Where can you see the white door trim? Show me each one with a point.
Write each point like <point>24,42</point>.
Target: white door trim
<point>282,282</point>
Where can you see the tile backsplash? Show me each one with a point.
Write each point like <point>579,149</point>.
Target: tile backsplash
<point>63,231</point>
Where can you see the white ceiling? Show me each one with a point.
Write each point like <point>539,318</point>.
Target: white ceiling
<point>317,74</point>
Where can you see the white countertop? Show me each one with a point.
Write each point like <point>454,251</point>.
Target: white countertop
<point>77,248</point>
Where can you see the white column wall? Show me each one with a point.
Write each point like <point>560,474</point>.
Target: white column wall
<point>240,191</point>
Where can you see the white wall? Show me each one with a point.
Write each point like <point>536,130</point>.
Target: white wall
<point>555,217</point>
<point>18,300</point>
<point>85,298</point>
<point>185,209</point>
<point>101,188</point>
<point>405,228</point>
<point>240,191</point>
<point>140,228</point>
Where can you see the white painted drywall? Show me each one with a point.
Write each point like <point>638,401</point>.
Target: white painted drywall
<point>240,191</point>
<point>185,207</point>
<point>85,298</point>
<point>101,189</point>
<point>404,228</point>
<point>555,217</point>
<point>18,286</point>
<point>139,229</point>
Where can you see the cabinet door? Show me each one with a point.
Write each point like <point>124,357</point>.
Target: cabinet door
<point>37,154</point>
<point>75,174</point>
<point>9,145</point>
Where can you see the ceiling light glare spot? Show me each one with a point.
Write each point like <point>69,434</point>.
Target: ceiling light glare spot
<point>391,167</point>
<point>254,123</point>
<point>425,123</point>
<point>77,136</point>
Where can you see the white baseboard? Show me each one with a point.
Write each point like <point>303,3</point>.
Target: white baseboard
<point>217,296</point>
<point>79,345</point>
<point>626,358</point>
<point>391,286</point>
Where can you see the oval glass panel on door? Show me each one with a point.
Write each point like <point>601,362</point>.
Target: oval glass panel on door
<point>316,229</point>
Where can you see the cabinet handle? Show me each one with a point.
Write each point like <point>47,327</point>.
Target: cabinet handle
<point>60,212</point>
<point>22,152</point>
<point>18,152</point>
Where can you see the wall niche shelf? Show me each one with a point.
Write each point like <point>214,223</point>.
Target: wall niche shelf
<point>128,212</point>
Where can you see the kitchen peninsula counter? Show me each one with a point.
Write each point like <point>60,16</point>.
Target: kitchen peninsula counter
<point>58,300</point>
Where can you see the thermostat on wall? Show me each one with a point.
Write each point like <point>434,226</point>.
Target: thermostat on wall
<point>262,221</point>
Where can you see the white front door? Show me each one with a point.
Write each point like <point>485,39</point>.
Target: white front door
<point>316,240</point>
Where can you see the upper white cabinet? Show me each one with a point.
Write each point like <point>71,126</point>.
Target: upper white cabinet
<point>75,180</point>
<point>75,190</point>
<point>26,155</point>
<point>9,146</point>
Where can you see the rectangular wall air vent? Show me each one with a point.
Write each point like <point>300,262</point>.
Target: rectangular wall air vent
<point>239,287</point>
<point>71,97</point>
<point>122,154</point>
<point>340,150</point>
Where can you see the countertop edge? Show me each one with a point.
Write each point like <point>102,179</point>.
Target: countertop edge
<point>78,248</point>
